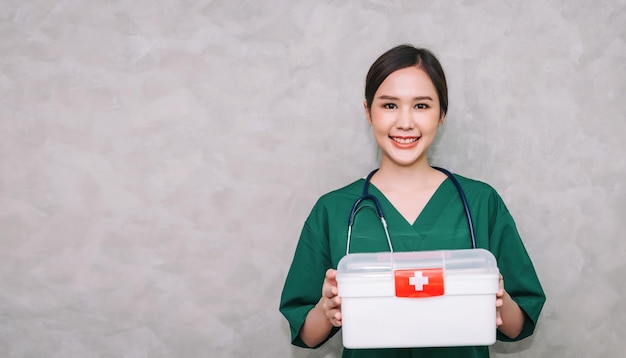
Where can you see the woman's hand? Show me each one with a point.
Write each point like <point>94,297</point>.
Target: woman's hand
<point>509,316</point>
<point>499,301</point>
<point>327,313</point>
<point>330,302</point>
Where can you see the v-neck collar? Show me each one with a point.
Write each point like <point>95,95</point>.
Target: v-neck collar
<point>429,214</point>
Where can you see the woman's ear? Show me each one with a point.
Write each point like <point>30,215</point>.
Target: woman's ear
<point>367,113</point>
<point>441,118</point>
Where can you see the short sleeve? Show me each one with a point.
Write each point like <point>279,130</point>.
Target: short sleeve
<point>516,267</point>
<point>303,285</point>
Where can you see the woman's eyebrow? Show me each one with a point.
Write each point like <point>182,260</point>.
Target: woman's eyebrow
<point>392,98</point>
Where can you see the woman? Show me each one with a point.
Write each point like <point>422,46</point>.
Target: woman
<point>406,100</point>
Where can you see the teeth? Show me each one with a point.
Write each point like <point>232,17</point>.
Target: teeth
<point>405,140</point>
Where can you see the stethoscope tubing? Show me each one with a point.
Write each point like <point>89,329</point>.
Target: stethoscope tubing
<point>468,214</point>
<point>379,211</point>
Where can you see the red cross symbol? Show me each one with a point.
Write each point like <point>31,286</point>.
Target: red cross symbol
<point>419,282</point>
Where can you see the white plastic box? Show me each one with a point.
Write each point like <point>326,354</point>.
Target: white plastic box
<point>418,299</point>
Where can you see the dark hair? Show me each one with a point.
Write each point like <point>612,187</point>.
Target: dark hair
<point>404,56</point>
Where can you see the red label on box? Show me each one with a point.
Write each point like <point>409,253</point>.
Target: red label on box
<point>418,283</point>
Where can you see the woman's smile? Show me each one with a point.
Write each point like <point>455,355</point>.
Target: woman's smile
<point>404,142</point>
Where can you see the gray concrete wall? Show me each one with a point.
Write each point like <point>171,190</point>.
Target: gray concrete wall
<point>158,158</point>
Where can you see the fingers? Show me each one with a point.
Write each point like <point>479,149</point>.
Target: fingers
<point>500,292</point>
<point>499,301</point>
<point>499,304</point>
<point>334,316</point>
<point>331,301</point>
<point>329,290</point>
<point>332,274</point>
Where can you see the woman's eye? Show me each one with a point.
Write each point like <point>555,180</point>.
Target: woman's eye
<point>421,106</point>
<point>389,106</point>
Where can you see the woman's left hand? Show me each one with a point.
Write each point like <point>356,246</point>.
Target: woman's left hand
<point>499,301</point>
<point>509,315</point>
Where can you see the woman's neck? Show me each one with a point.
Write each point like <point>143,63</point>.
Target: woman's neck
<point>410,178</point>
<point>408,189</point>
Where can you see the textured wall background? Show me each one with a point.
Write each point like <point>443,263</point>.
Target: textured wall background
<point>158,158</point>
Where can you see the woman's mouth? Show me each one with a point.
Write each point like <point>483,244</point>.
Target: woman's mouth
<point>404,140</point>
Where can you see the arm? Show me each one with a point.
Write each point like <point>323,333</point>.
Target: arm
<point>305,282</point>
<point>523,297</point>
<point>325,315</point>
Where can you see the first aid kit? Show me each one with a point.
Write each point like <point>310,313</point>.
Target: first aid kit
<point>418,299</point>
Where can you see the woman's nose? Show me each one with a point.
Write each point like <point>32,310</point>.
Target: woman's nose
<point>404,120</point>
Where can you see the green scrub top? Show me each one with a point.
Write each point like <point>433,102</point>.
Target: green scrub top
<point>442,224</point>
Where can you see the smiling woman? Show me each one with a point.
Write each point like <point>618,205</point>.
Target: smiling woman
<point>404,116</point>
<point>405,103</point>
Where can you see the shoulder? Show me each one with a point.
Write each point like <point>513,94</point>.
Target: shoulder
<point>473,184</point>
<point>333,209</point>
<point>481,193</point>
<point>338,200</point>
<point>352,190</point>
<point>476,187</point>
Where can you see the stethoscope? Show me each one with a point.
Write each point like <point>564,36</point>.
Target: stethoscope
<point>367,196</point>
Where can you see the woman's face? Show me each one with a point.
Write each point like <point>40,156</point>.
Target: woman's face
<point>404,116</point>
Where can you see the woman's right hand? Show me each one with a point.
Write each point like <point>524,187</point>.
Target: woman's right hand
<point>330,301</point>
<point>326,313</point>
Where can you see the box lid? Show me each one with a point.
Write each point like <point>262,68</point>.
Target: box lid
<point>418,273</point>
